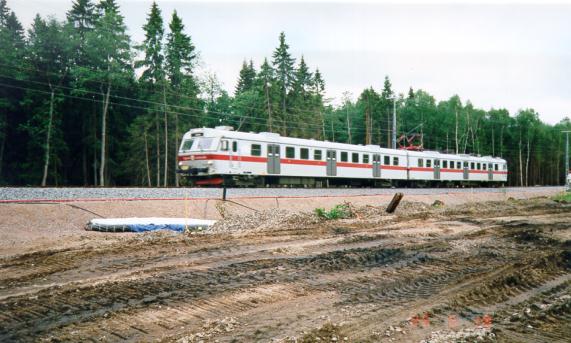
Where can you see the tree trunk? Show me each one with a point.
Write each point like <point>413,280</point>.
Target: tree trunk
<point>176,145</point>
<point>48,138</point>
<point>147,159</point>
<point>166,175</point>
<point>520,163</point>
<point>158,149</point>
<point>368,123</point>
<point>104,136</point>
<point>527,163</point>
<point>348,125</point>
<point>456,132</point>
<point>269,107</point>
<point>2,147</point>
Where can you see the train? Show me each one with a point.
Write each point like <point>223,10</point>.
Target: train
<point>223,157</point>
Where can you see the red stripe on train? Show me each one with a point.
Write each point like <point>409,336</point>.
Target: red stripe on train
<point>220,157</point>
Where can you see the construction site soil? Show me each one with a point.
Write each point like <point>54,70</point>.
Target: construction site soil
<point>491,272</point>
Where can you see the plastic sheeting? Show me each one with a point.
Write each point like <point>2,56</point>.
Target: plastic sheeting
<point>147,224</point>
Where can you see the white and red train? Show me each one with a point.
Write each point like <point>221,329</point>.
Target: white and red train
<point>221,156</point>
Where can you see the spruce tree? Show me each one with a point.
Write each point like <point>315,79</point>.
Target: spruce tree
<point>81,124</point>
<point>283,65</point>
<point>386,106</point>
<point>246,78</point>
<point>180,60</point>
<point>152,48</point>
<point>267,85</point>
<point>108,49</point>
<point>11,114</point>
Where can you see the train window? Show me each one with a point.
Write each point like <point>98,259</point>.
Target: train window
<point>365,158</point>
<point>504,166</point>
<point>355,157</point>
<point>290,152</point>
<point>304,153</point>
<point>479,166</point>
<point>444,164</point>
<point>224,145</point>
<point>234,146</point>
<point>437,163</point>
<point>465,164</point>
<point>387,160</point>
<point>451,164</point>
<point>420,162</point>
<point>428,163</point>
<point>395,161</point>
<point>187,144</point>
<point>317,155</point>
<point>472,165</point>
<point>256,150</point>
<point>484,166</point>
<point>344,156</point>
<point>495,166</point>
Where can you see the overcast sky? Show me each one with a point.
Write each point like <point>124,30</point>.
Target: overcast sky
<point>512,55</point>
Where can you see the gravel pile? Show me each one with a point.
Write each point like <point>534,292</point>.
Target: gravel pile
<point>32,193</point>
<point>479,334</point>
<point>267,220</point>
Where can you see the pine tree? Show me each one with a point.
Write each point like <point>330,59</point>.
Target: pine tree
<point>152,47</point>
<point>11,116</point>
<point>80,127</point>
<point>153,80</point>
<point>246,78</point>
<point>4,13</point>
<point>108,48</point>
<point>267,85</point>
<point>283,66</point>
<point>387,98</point>
<point>180,61</point>
<point>180,53</point>
<point>318,90</point>
<point>49,56</point>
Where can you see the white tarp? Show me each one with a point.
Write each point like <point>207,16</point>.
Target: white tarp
<point>147,224</point>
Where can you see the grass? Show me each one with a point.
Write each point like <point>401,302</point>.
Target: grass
<point>563,197</point>
<point>338,212</point>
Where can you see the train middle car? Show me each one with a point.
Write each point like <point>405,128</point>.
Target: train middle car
<point>221,156</point>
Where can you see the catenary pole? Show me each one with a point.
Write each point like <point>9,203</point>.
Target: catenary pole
<point>395,122</point>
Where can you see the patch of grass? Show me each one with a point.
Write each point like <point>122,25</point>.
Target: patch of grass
<point>564,197</point>
<point>338,212</point>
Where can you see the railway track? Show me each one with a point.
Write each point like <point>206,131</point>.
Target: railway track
<point>31,194</point>
<point>366,276</point>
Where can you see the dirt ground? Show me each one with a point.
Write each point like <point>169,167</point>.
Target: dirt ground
<point>493,271</point>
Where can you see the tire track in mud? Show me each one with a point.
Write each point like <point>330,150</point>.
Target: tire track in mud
<point>166,293</point>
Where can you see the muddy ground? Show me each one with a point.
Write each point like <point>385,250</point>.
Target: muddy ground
<point>497,271</point>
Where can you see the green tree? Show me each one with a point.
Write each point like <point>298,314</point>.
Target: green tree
<point>180,61</point>
<point>283,65</point>
<point>108,48</point>
<point>48,55</point>
<point>11,115</point>
<point>246,78</point>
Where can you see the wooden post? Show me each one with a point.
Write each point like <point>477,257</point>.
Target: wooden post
<point>394,203</point>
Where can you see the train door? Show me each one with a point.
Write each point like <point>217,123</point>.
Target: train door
<point>490,172</point>
<point>274,166</point>
<point>234,156</point>
<point>466,171</point>
<point>331,163</point>
<point>436,169</point>
<point>376,165</point>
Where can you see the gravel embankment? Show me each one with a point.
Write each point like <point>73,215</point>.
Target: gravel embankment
<point>27,194</point>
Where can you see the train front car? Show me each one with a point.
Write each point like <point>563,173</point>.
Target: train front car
<point>198,158</point>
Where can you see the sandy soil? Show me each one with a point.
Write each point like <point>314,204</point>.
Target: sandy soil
<point>492,271</point>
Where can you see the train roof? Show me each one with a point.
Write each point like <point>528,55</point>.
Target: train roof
<point>227,132</point>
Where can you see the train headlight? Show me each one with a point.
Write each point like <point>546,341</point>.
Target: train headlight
<point>184,167</point>
<point>209,163</point>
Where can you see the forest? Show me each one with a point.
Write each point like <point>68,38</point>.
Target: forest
<point>81,104</point>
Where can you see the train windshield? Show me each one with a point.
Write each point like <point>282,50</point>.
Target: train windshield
<point>204,143</point>
<point>187,144</point>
